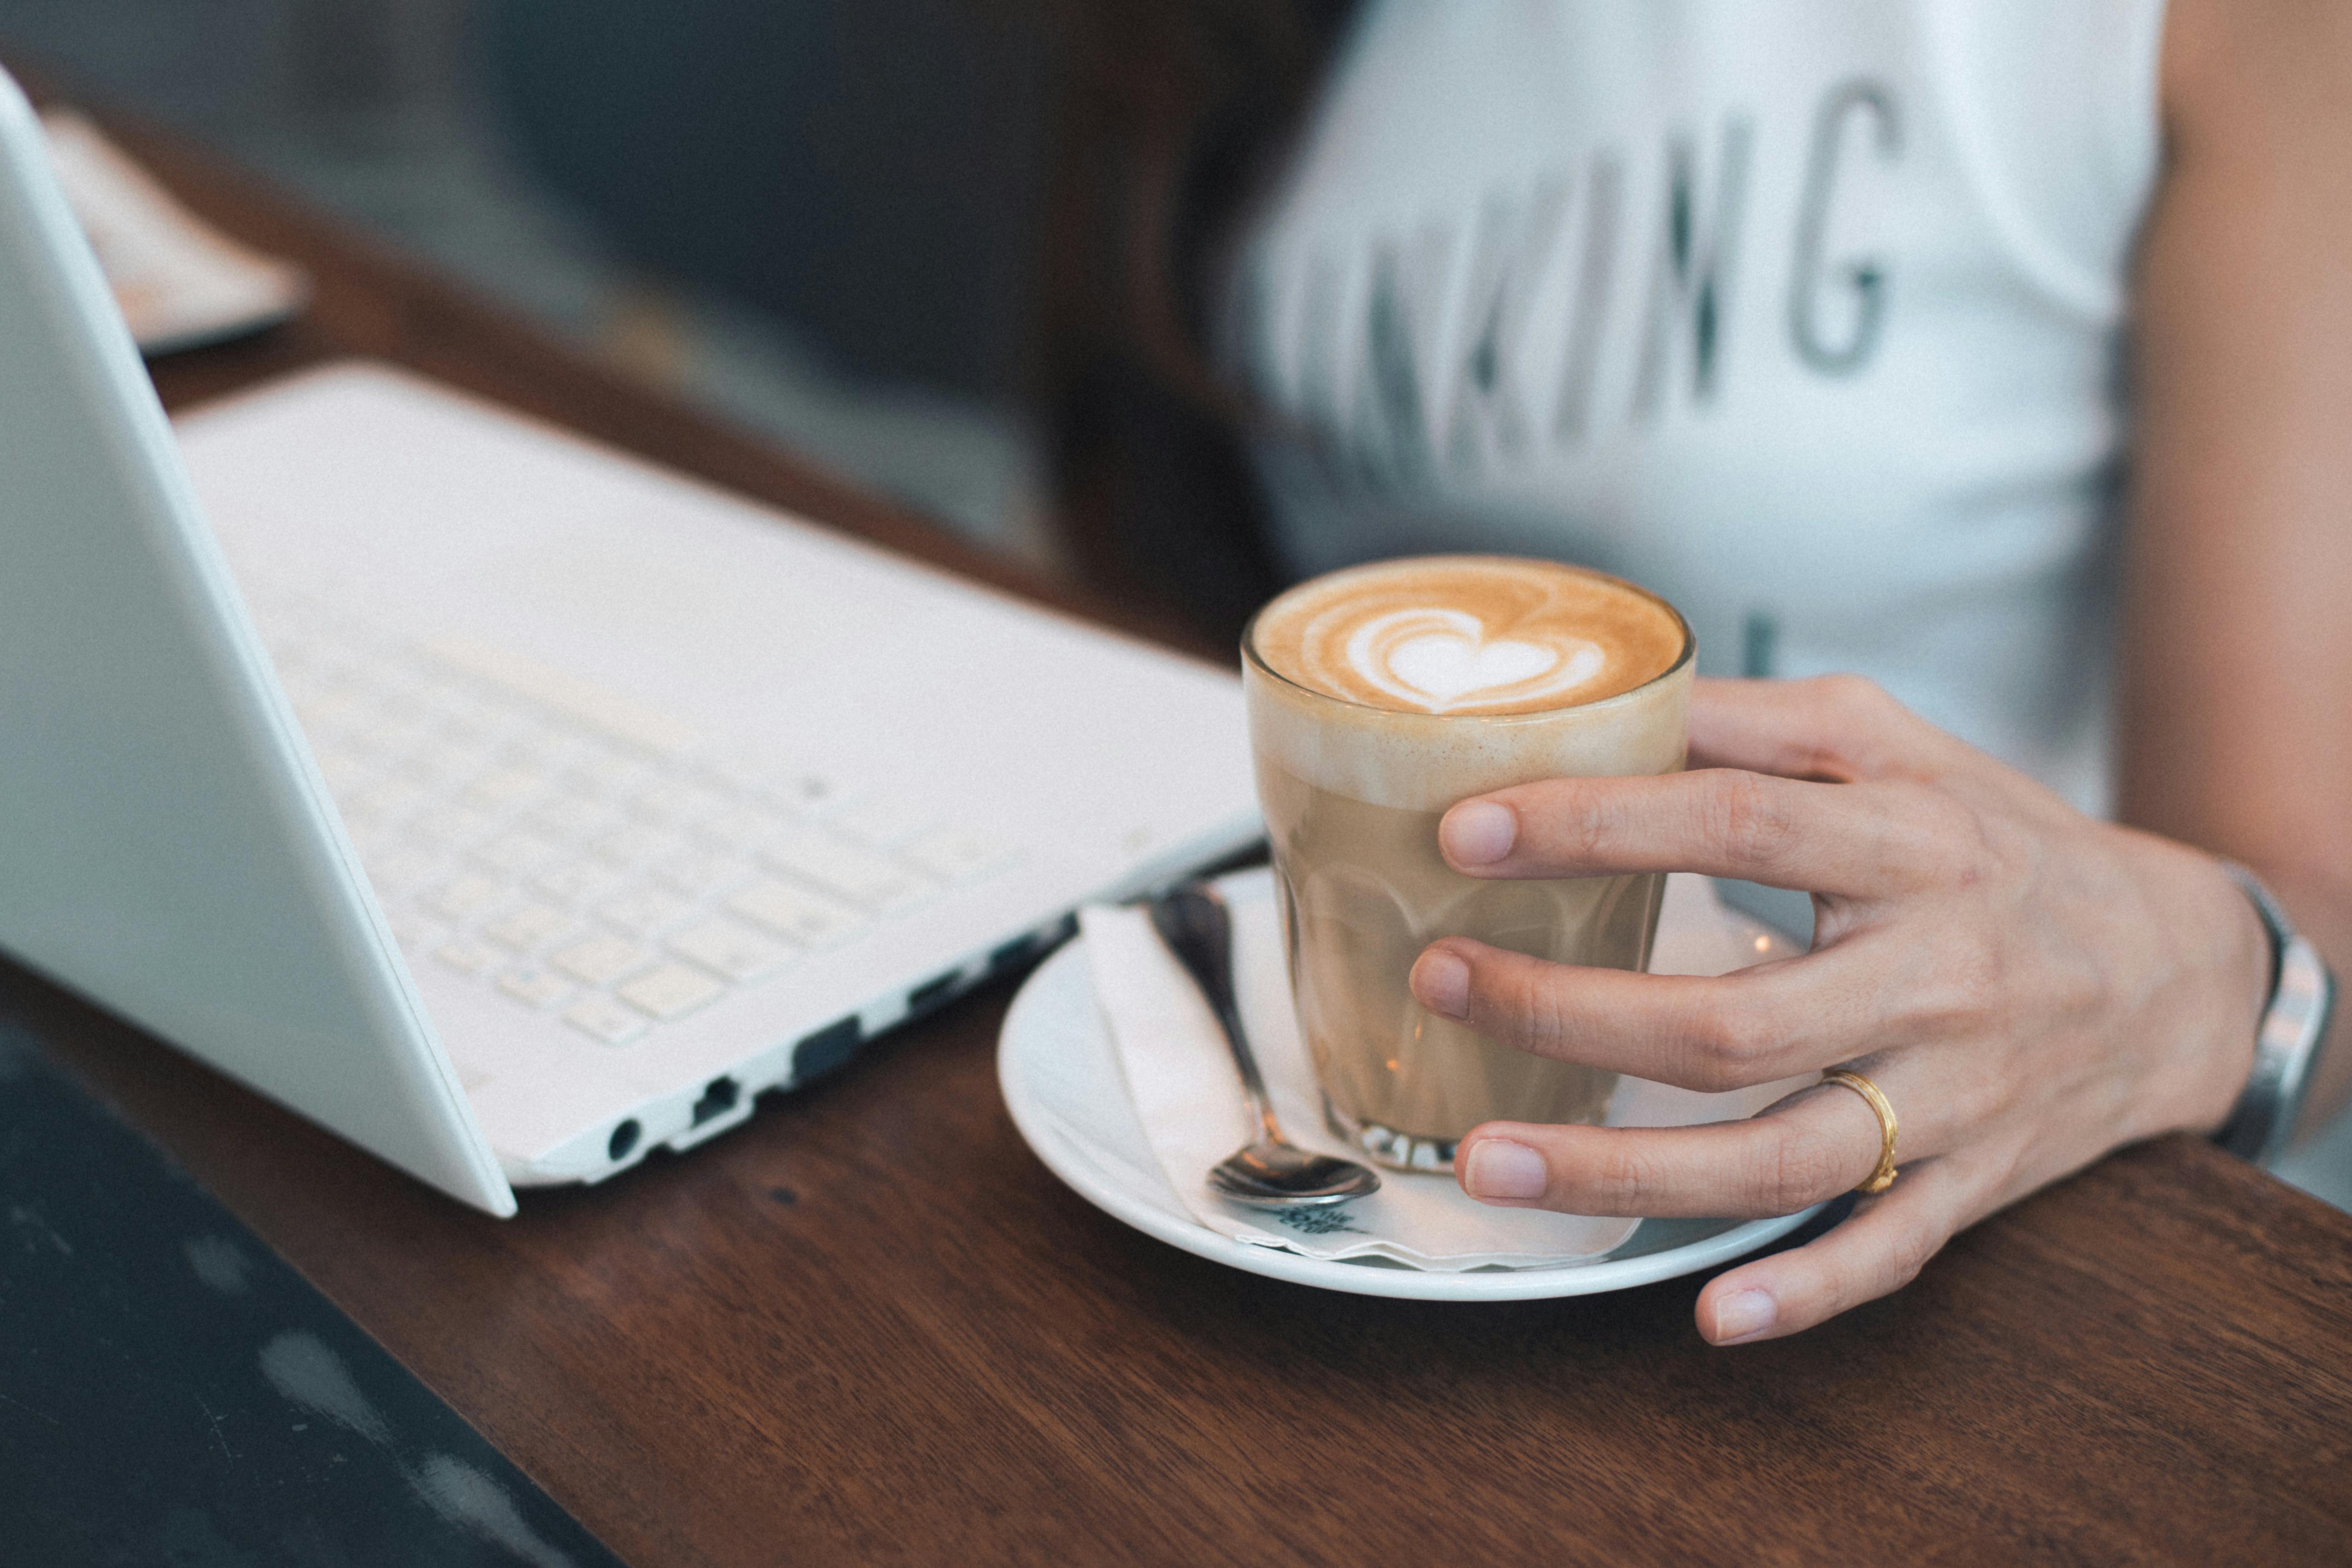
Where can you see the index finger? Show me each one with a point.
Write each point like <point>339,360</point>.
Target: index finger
<point>1848,840</point>
<point>1837,728</point>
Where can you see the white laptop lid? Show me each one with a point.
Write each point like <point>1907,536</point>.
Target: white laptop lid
<point>166,845</point>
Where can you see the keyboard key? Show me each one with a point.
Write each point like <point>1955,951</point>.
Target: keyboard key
<point>840,867</point>
<point>671,990</point>
<point>577,882</point>
<point>440,770</point>
<point>672,800</point>
<point>359,740</point>
<point>736,768</point>
<point>573,818</point>
<point>810,919</point>
<point>390,739</point>
<point>528,927</point>
<point>502,789</point>
<point>549,752</point>
<point>402,704</point>
<point>543,687</point>
<point>697,875</point>
<point>645,911</point>
<point>606,1020</point>
<point>802,791</point>
<point>451,826</point>
<point>736,952</point>
<point>882,820</point>
<point>517,853</point>
<point>636,845</point>
<point>466,722</point>
<point>539,988</point>
<point>741,829</point>
<point>609,773</point>
<point>956,854</point>
<point>389,798</point>
<point>600,960</point>
<point>392,676</point>
<point>469,957</point>
<point>323,711</point>
<point>464,897</point>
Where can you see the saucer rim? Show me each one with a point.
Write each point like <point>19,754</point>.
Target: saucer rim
<point>1062,976</point>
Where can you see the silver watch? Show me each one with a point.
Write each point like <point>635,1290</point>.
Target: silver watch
<point>2286,1040</point>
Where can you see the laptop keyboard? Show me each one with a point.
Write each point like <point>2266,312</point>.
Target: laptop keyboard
<point>584,858</point>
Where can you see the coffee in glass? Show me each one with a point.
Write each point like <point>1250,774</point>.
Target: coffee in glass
<point>1380,695</point>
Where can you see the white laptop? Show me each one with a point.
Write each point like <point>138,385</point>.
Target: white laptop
<point>507,805</point>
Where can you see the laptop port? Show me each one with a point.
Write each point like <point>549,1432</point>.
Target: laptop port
<point>1021,948</point>
<point>623,1139</point>
<point>718,1097</point>
<point>932,993</point>
<point>820,1053</point>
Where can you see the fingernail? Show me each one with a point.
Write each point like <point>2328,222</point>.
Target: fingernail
<point>1441,982</point>
<point>1499,1168</point>
<point>1477,833</point>
<point>1744,1314</point>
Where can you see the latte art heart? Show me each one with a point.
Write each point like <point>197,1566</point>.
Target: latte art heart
<point>1468,636</point>
<point>1434,659</point>
<point>1444,667</point>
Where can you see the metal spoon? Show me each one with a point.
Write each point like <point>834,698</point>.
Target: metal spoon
<point>1272,1173</point>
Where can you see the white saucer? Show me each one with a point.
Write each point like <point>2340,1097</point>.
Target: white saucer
<point>1061,1079</point>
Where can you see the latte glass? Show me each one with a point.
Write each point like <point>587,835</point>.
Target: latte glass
<point>1352,793</point>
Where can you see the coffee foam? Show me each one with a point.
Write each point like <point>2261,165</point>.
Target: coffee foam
<point>1468,633</point>
<point>1618,723</point>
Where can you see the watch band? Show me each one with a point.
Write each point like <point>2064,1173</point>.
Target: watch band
<point>2286,1040</point>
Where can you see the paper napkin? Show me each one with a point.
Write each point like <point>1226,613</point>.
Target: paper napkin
<point>1187,1095</point>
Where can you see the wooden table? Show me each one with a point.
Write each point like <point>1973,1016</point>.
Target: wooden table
<point>868,1327</point>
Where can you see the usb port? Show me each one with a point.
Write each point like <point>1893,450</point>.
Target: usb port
<point>824,1050</point>
<point>718,1099</point>
<point>932,993</point>
<point>1021,948</point>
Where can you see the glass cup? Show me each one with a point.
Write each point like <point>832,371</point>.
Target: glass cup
<point>1352,796</point>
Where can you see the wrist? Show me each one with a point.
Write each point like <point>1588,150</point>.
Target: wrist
<point>2203,1023</point>
<point>2248,965</point>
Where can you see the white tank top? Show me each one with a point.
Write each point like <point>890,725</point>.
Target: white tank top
<point>1803,313</point>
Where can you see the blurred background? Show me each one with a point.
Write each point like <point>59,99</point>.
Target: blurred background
<point>817,219</point>
<point>957,251</point>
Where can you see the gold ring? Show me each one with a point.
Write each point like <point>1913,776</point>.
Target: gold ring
<point>1883,1177</point>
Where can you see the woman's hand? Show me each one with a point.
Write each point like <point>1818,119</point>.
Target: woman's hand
<point>2029,987</point>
